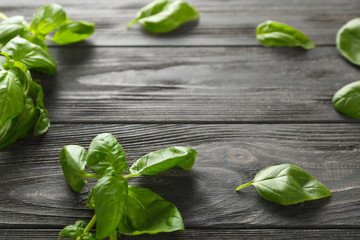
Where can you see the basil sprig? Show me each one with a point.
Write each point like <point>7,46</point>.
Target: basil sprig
<point>119,207</point>
<point>23,49</point>
<point>348,41</point>
<point>163,16</point>
<point>276,34</point>
<point>287,184</point>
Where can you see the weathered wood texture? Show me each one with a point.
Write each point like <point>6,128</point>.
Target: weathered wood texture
<point>34,193</point>
<point>231,22</point>
<point>206,234</point>
<point>236,85</point>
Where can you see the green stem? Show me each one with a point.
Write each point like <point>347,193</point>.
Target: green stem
<point>113,236</point>
<point>3,16</point>
<point>244,185</point>
<point>131,23</point>
<point>131,175</point>
<point>88,175</point>
<point>90,224</point>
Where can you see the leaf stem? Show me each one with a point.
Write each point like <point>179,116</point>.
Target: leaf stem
<point>88,175</point>
<point>3,16</point>
<point>131,23</point>
<point>90,224</point>
<point>244,185</point>
<point>131,175</point>
<point>113,236</point>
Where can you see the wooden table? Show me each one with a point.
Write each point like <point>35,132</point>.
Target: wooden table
<point>210,86</point>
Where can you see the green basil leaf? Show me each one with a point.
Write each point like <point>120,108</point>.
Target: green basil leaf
<point>10,28</point>
<point>43,122</point>
<point>19,69</point>
<point>287,184</point>
<point>90,201</point>
<point>19,126</point>
<point>110,198</point>
<point>106,154</point>
<point>32,55</point>
<point>74,31</point>
<point>276,34</point>
<point>347,41</point>
<point>347,100</point>
<point>80,224</point>
<point>88,236</point>
<point>147,212</point>
<point>164,159</point>
<point>33,39</point>
<point>47,19</point>
<point>12,97</point>
<point>72,159</point>
<point>163,16</point>
<point>71,231</point>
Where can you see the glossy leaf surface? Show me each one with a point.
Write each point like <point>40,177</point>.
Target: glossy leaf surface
<point>287,184</point>
<point>72,159</point>
<point>347,100</point>
<point>48,18</point>
<point>10,28</point>
<point>43,122</point>
<point>74,31</point>
<point>110,199</point>
<point>147,212</point>
<point>164,159</point>
<point>276,34</point>
<point>348,41</point>
<point>163,16</point>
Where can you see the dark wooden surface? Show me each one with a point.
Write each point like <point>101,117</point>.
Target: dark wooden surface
<point>208,85</point>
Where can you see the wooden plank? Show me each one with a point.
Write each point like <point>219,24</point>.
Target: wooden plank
<point>222,23</point>
<point>34,193</point>
<point>236,85</point>
<point>208,234</point>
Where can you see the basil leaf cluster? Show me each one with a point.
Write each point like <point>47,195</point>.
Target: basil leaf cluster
<point>119,207</point>
<point>23,49</point>
<point>162,16</point>
<point>287,184</point>
<point>276,34</point>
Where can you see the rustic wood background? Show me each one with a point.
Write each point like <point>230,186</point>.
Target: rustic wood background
<point>208,85</point>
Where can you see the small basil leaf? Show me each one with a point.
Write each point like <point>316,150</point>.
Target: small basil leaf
<point>74,31</point>
<point>47,18</point>
<point>43,122</point>
<point>164,159</point>
<point>147,212</point>
<point>80,224</point>
<point>10,28</point>
<point>71,231</point>
<point>106,154</point>
<point>88,236</point>
<point>90,201</point>
<point>347,100</point>
<point>12,97</point>
<point>287,184</point>
<point>110,198</point>
<point>72,159</point>
<point>32,55</point>
<point>19,126</point>
<point>347,41</point>
<point>19,69</point>
<point>276,34</point>
<point>163,16</point>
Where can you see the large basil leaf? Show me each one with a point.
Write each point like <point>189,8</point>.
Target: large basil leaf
<point>12,97</point>
<point>47,18</point>
<point>105,155</point>
<point>34,39</point>
<point>10,28</point>
<point>287,184</point>
<point>74,31</point>
<point>147,212</point>
<point>19,126</point>
<point>72,159</point>
<point>32,55</point>
<point>43,122</point>
<point>110,199</point>
<point>347,100</point>
<point>348,41</point>
<point>163,16</point>
<point>164,159</point>
<point>271,33</point>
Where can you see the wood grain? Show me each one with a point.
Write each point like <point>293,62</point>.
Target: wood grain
<point>222,23</point>
<point>225,85</point>
<point>34,193</point>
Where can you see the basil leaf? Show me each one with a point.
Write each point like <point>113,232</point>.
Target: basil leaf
<point>106,154</point>
<point>90,201</point>
<point>33,39</point>
<point>164,159</point>
<point>347,41</point>
<point>43,122</point>
<point>88,236</point>
<point>287,184</point>
<point>163,16</point>
<point>80,224</point>
<point>33,56</point>
<point>347,100</point>
<point>12,97</point>
<point>74,31</point>
<point>10,28</point>
<point>147,212</point>
<point>72,159</point>
<point>71,231</point>
<point>276,34</point>
<point>110,198</point>
<point>19,126</point>
<point>23,75</point>
<point>47,18</point>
